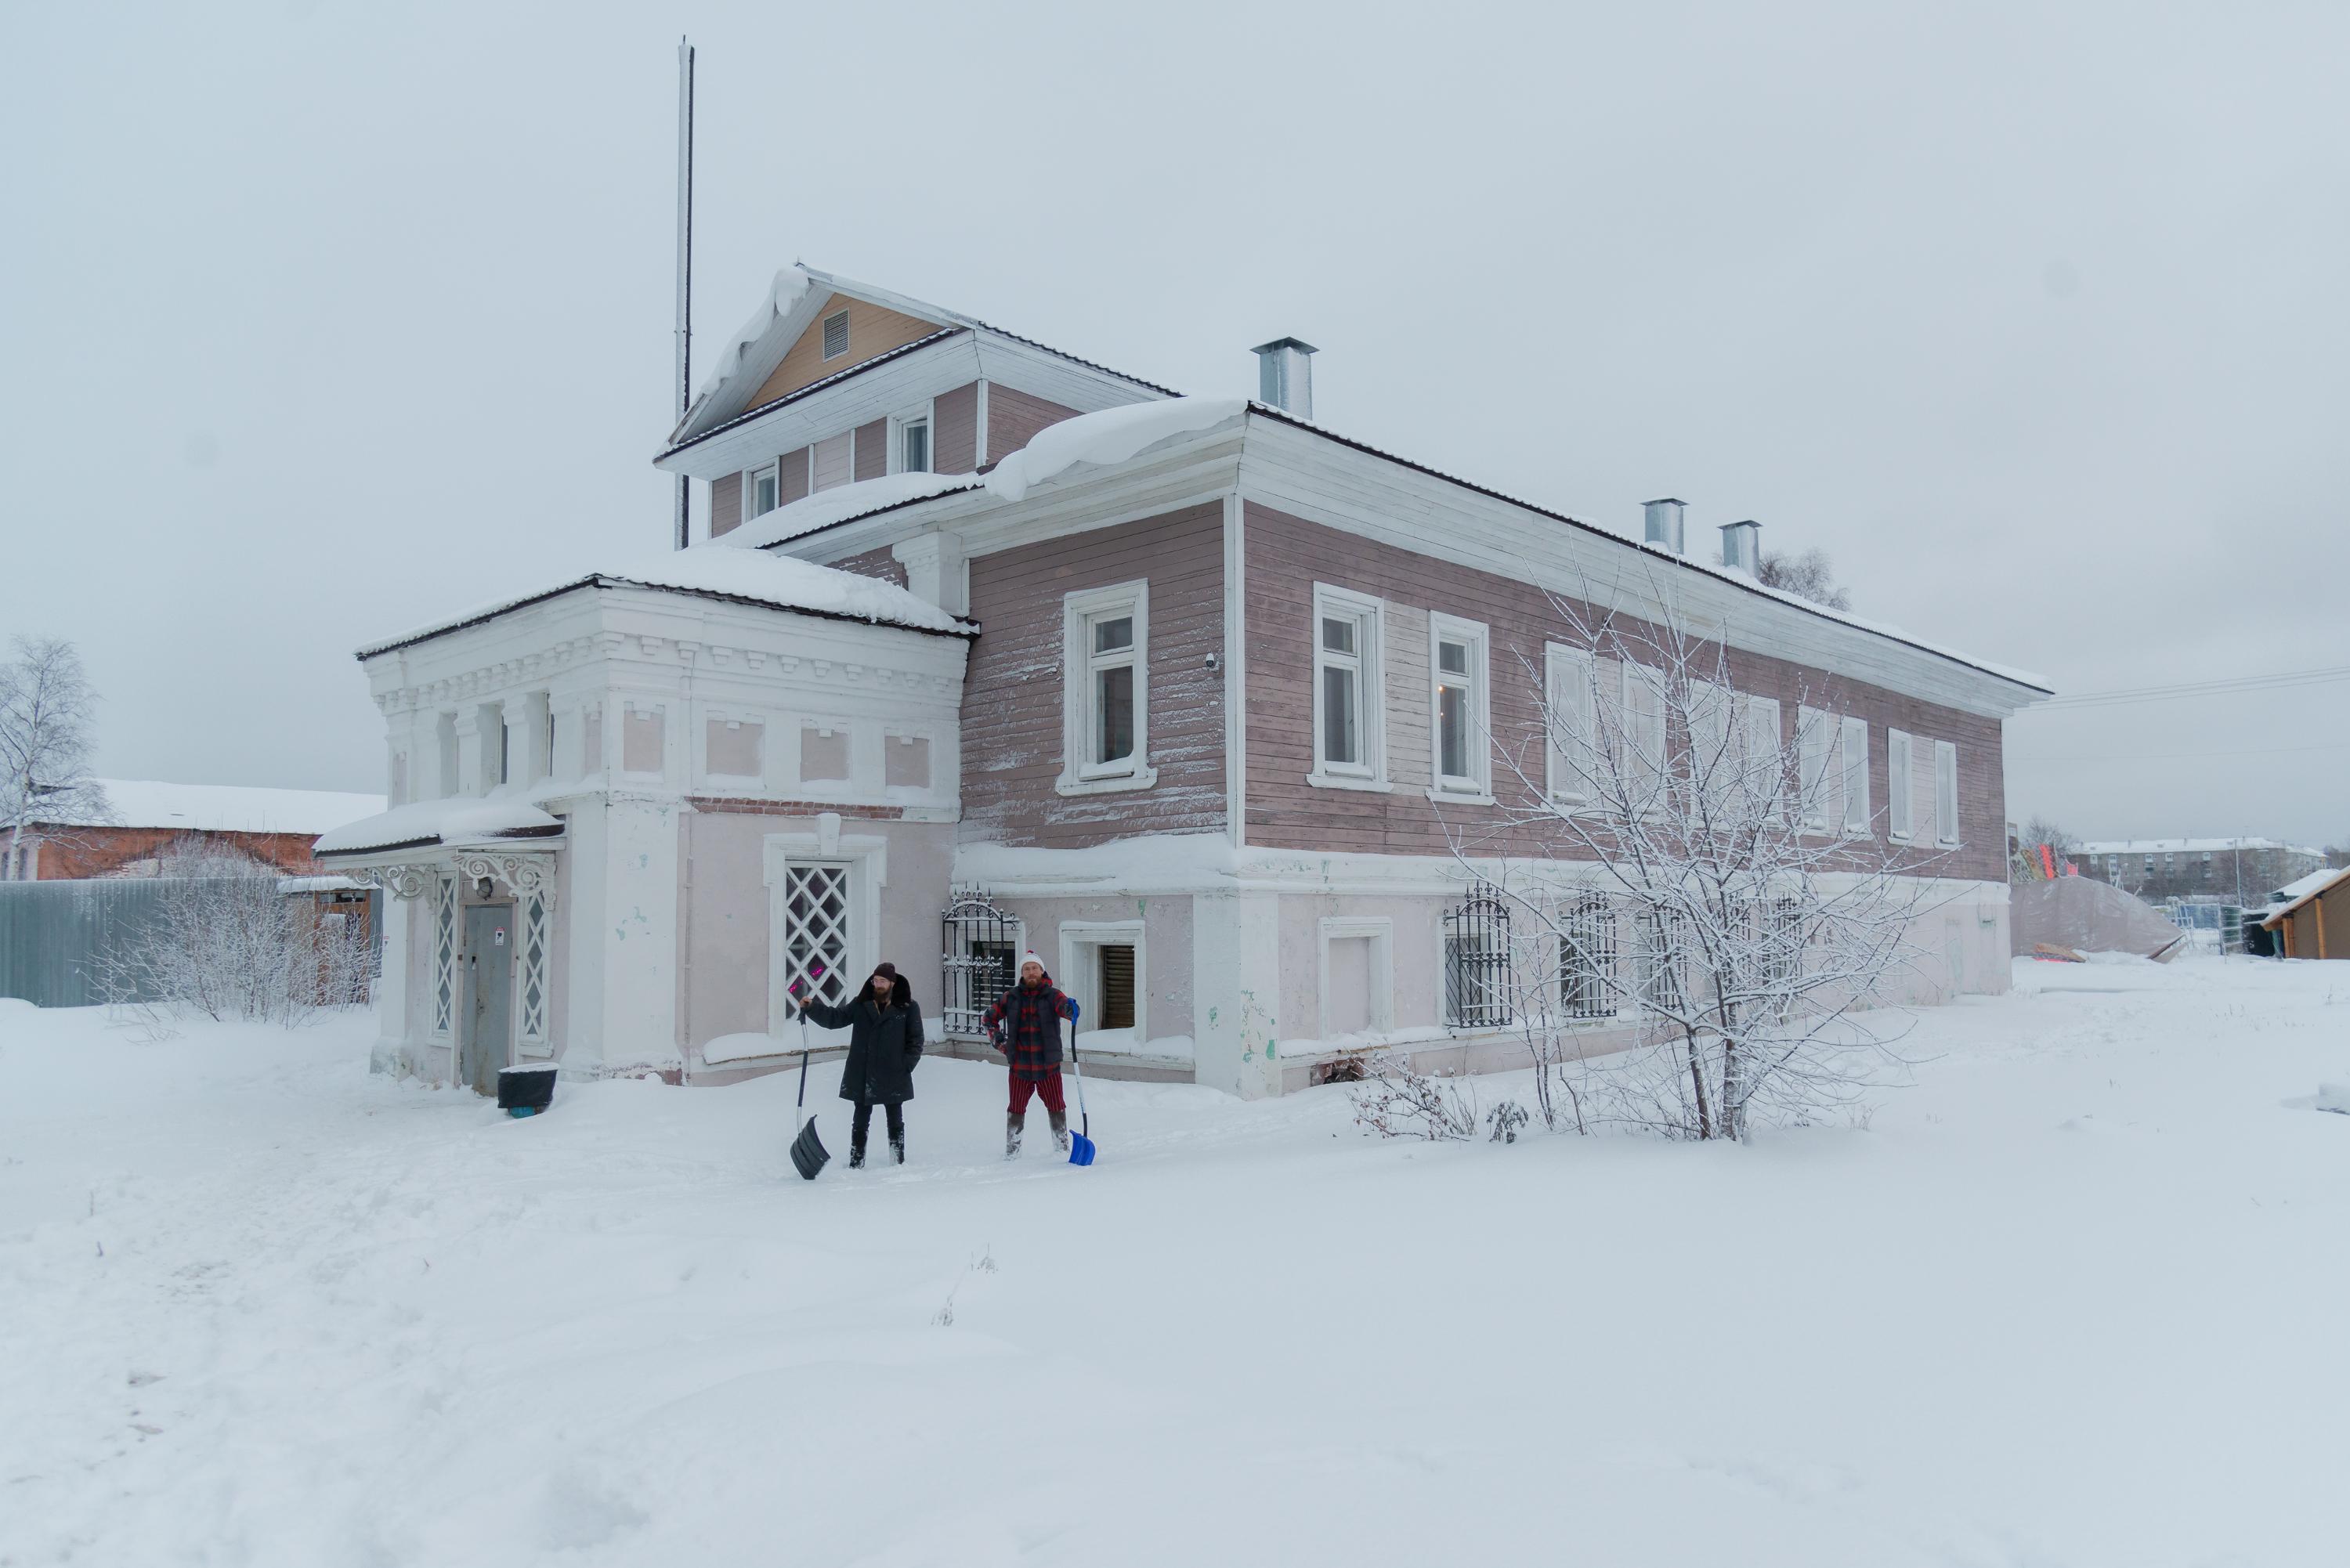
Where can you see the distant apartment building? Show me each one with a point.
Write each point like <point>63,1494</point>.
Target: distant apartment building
<point>2235,870</point>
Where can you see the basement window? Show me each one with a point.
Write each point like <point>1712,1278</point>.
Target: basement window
<point>836,335</point>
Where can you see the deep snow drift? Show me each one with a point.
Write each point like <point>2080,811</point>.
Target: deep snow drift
<point>2075,1297</point>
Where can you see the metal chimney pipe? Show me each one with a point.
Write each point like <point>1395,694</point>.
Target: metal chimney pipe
<point>1742,547</point>
<point>1284,375</point>
<point>1664,523</point>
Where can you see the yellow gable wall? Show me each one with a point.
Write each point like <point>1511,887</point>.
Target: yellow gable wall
<point>873,330</point>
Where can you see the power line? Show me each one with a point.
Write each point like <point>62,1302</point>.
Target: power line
<point>2225,686</point>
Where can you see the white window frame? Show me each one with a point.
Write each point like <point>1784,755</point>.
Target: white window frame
<point>1946,794</point>
<point>866,857</point>
<point>1475,787</point>
<point>1079,611</point>
<point>1570,690</point>
<point>447,939</point>
<point>1369,614</point>
<point>1767,748</point>
<point>1079,974</point>
<point>773,473</point>
<point>1817,740</point>
<point>1852,773</point>
<point>1900,786</point>
<point>824,343</point>
<point>925,416</point>
<point>1380,932</point>
<point>1643,734</point>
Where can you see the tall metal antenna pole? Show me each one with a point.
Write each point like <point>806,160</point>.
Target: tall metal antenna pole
<point>682,533</point>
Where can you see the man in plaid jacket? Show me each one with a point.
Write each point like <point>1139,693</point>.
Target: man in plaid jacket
<point>1025,1025</point>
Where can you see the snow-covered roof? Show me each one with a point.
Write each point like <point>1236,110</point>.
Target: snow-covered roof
<point>2294,894</point>
<point>2185,847</point>
<point>423,824</point>
<point>724,571</point>
<point>230,808</point>
<point>842,504</point>
<point>1106,437</point>
<point>750,354</point>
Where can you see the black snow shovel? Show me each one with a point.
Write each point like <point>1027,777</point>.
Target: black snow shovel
<point>808,1153</point>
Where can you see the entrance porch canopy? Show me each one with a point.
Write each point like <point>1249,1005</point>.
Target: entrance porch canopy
<point>508,841</point>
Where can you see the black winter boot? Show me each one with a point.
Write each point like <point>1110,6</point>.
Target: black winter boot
<point>1060,1130</point>
<point>898,1147</point>
<point>1012,1127</point>
<point>857,1156</point>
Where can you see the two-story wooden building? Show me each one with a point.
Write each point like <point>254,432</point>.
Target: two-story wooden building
<point>987,647</point>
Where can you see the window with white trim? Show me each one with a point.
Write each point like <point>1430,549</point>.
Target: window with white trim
<point>1899,789</point>
<point>914,445</point>
<point>1573,763</point>
<point>444,955</point>
<point>759,494</point>
<point>1106,689</point>
<point>1644,733</point>
<point>1457,706</point>
<point>836,335</point>
<point>1349,724</point>
<point>816,927</point>
<point>1816,741</point>
<point>1855,775</point>
<point>1764,762</point>
<point>531,981</point>
<point>1946,794</point>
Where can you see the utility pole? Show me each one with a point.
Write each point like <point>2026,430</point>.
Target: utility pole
<point>680,533</point>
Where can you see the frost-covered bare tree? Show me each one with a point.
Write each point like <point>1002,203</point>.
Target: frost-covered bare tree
<point>1810,574</point>
<point>1708,874</point>
<point>232,944</point>
<point>47,719</point>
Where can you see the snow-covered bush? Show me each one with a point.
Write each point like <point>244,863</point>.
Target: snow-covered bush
<point>231,944</point>
<point>1394,1101</point>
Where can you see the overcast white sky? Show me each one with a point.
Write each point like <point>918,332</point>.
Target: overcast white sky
<point>318,320</point>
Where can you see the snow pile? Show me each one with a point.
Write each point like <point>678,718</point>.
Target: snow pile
<point>783,295</point>
<point>755,575</point>
<point>840,503</point>
<point>287,1312</point>
<point>230,808</point>
<point>1110,436</point>
<point>2334,1097</point>
<point>458,820</point>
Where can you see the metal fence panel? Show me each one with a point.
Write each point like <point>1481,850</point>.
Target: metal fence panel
<point>54,934</point>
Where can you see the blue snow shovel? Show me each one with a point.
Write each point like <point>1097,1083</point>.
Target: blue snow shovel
<point>808,1153</point>
<point>1081,1147</point>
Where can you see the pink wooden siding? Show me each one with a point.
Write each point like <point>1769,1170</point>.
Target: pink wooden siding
<point>726,504</point>
<point>1012,715</point>
<point>954,438</point>
<point>878,563</point>
<point>1287,556</point>
<point>1013,418</point>
<point>832,467</point>
<point>873,450</point>
<point>793,467</point>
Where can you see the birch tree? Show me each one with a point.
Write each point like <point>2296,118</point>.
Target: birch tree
<point>47,719</point>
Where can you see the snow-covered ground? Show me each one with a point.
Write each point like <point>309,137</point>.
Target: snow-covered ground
<point>2077,1296</point>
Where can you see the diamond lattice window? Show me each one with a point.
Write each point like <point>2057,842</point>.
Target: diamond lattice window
<point>533,968</point>
<point>444,957</point>
<point>815,932</point>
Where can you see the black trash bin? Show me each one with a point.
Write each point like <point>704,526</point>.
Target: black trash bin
<point>526,1090</point>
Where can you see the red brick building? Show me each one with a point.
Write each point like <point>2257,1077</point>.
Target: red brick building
<point>152,821</point>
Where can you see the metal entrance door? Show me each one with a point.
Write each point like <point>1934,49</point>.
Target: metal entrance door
<point>489,993</point>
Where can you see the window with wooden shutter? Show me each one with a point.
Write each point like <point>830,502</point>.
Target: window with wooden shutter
<point>1116,987</point>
